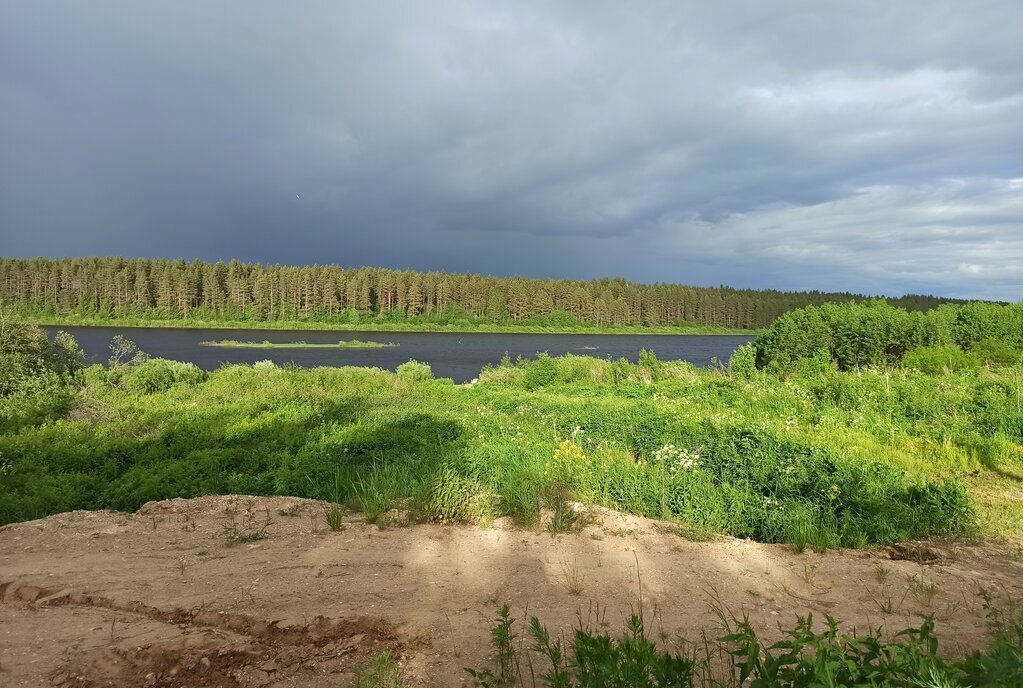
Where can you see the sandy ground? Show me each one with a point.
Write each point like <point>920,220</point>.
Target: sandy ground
<point>160,598</point>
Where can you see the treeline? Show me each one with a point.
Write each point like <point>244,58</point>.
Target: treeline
<point>858,335</point>
<point>176,289</point>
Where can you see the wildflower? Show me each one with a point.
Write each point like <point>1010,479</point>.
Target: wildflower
<point>675,459</point>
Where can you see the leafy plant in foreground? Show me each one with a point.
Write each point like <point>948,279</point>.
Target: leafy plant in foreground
<point>384,672</point>
<point>334,514</point>
<point>806,658</point>
<point>506,665</point>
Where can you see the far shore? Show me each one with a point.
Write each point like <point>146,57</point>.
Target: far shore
<point>371,326</point>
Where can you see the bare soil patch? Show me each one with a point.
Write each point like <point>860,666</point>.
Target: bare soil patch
<point>183,593</point>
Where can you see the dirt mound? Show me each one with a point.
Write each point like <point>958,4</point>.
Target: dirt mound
<point>238,591</point>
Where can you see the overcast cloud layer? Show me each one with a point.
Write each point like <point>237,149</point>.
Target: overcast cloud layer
<point>872,147</point>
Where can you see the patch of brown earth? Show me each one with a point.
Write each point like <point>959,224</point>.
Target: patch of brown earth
<point>187,593</point>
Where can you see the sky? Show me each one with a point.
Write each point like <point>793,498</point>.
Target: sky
<point>873,147</point>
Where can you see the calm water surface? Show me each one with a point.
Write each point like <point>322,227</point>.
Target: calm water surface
<point>460,356</point>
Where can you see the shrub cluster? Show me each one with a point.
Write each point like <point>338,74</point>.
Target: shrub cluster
<point>38,376</point>
<point>159,375</point>
<point>414,371</point>
<point>858,335</point>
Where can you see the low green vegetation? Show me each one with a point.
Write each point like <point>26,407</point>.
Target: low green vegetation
<point>383,672</point>
<point>810,655</point>
<point>350,344</point>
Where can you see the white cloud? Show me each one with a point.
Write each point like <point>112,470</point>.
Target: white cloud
<point>964,235</point>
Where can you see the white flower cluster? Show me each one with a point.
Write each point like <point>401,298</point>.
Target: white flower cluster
<point>677,460</point>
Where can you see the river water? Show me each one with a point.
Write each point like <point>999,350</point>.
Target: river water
<point>460,356</point>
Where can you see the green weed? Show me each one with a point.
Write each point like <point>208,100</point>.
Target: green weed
<point>806,657</point>
<point>384,672</point>
<point>506,669</point>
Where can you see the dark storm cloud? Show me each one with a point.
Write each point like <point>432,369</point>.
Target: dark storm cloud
<point>865,146</point>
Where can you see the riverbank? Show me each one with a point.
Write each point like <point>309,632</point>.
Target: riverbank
<point>373,325</point>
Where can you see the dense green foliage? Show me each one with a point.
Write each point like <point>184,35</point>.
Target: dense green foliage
<point>160,375</point>
<point>806,658</point>
<point>859,335</point>
<point>143,289</point>
<point>38,376</point>
<point>815,459</point>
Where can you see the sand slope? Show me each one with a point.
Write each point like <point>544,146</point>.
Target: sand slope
<point>160,598</point>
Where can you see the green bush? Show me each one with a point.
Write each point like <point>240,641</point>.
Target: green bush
<point>414,371</point>
<point>39,377</point>
<point>860,335</point>
<point>37,398</point>
<point>26,351</point>
<point>994,352</point>
<point>976,322</point>
<point>743,363</point>
<point>936,360</point>
<point>648,361</point>
<point>159,375</point>
<point>542,372</point>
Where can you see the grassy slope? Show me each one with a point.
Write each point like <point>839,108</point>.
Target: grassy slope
<point>374,325</point>
<point>828,459</point>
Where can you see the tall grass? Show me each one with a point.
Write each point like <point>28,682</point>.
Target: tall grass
<point>816,459</point>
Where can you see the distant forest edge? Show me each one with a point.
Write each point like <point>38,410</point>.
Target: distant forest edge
<point>161,289</point>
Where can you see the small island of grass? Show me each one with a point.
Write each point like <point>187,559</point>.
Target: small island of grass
<point>351,344</point>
